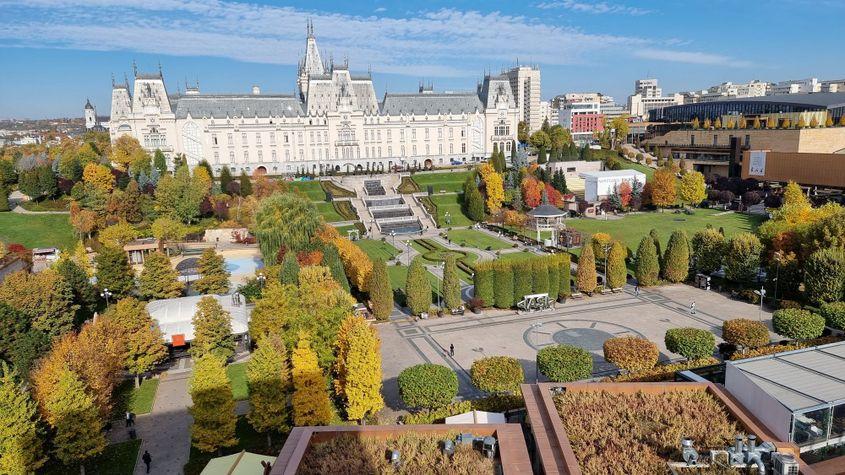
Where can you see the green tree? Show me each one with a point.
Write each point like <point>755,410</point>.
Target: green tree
<point>44,298</point>
<point>540,269</point>
<point>657,247</point>
<point>691,188</point>
<point>74,417</point>
<point>268,380</point>
<point>648,266</point>
<point>503,284</point>
<point>113,271</point>
<point>225,179</point>
<point>4,199</point>
<point>180,196</point>
<point>522,132</point>
<point>483,281</point>
<point>246,184</point>
<point>359,368</point>
<point>160,162</point>
<point>158,279</point>
<point>311,404</point>
<point>213,406</point>
<point>474,204</point>
<point>290,269</point>
<point>381,294</point>
<point>417,288</point>
<point>523,280</point>
<point>617,272</point>
<point>20,446</point>
<point>541,155</point>
<point>215,277</point>
<point>144,342</point>
<point>331,259</point>
<point>586,276</point>
<point>285,219</point>
<point>427,386</point>
<point>564,363</point>
<point>212,330</point>
<point>708,245</point>
<point>742,257</point>
<point>676,268</point>
<point>824,275</point>
<point>84,294</point>
<point>451,283</point>
<point>13,325</point>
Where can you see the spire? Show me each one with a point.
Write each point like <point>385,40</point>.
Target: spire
<point>112,80</point>
<point>134,68</point>
<point>159,70</point>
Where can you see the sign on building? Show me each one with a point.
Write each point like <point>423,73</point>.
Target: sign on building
<point>757,163</point>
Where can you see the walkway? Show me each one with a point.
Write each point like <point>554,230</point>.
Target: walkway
<point>15,200</point>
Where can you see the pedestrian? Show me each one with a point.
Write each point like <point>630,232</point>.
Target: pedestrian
<point>692,308</point>
<point>148,459</point>
<point>451,350</point>
<point>128,419</point>
<point>637,290</point>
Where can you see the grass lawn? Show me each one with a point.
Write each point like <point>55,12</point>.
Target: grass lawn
<point>116,459</point>
<point>310,188</point>
<point>237,375</point>
<point>516,256</point>
<point>327,211</point>
<point>629,165</point>
<point>631,229</point>
<point>452,204</point>
<point>137,400</point>
<point>60,204</point>
<point>376,249</point>
<point>37,230</point>
<point>343,230</point>
<point>248,439</point>
<point>476,239</point>
<point>442,182</point>
<point>399,274</point>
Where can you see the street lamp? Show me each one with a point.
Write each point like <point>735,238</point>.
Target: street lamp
<point>778,258</point>
<point>261,279</point>
<point>393,237</point>
<point>762,294</point>
<point>106,294</point>
<point>534,327</point>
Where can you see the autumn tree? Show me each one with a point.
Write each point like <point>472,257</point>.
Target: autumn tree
<point>362,378</point>
<point>311,404</point>
<point>180,195</point>
<point>648,263</point>
<point>126,150</point>
<point>617,272</point>
<point>331,259</point>
<point>663,193</point>
<point>213,406</point>
<point>381,294</point>
<point>215,277</point>
<point>451,283</point>
<point>676,260</point>
<point>158,279</point>
<point>44,298</point>
<point>493,187</point>
<point>99,177</point>
<point>691,188</point>
<point>285,219</point>
<point>268,380</point>
<point>118,234</point>
<point>586,275</point>
<point>742,259</point>
<point>708,245</point>
<point>144,341</point>
<point>417,288</point>
<point>290,269</point>
<point>212,330</point>
<point>21,451</point>
<point>168,229</point>
<point>73,416</point>
<point>113,271</point>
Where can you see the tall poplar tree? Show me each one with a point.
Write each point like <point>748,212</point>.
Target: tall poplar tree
<point>212,330</point>
<point>246,184</point>
<point>451,282</point>
<point>215,277</point>
<point>158,279</point>
<point>676,260</point>
<point>586,275</point>
<point>331,259</point>
<point>648,266</point>
<point>381,294</point>
<point>617,272</point>
<point>311,404</point>
<point>213,406</point>
<point>417,288</point>
<point>20,447</point>
<point>359,368</point>
<point>73,416</point>
<point>268,379</point>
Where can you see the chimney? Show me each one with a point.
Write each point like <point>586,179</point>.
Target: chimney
<point>256,90</point>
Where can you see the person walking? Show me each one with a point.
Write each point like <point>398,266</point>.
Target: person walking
<point>636,290</point>
<point>692,308</point>
<point>148,460</point>
<point>128,419</point>
<point>451,350</point>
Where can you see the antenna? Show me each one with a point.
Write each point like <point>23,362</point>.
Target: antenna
<point>135,68</point>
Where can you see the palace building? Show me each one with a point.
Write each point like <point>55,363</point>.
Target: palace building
<point>334,124</point>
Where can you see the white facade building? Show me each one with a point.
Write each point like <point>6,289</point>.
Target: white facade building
<point>90,116</point>
<point>549,112</point>
<point>647,96</point>
<point>334,124</point>
<point>796,86</point>
<point>525,87</point>
<point>600,185</point>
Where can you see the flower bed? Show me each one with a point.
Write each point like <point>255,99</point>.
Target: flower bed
<point>637,433</point>
<point>419,453</point>
<point>336,191</point>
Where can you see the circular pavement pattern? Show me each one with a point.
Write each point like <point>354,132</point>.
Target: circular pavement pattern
<point>587,338</point>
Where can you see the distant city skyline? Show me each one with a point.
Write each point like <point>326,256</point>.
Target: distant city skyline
<point>59,53</point>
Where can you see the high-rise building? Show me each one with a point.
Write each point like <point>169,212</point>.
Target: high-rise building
<point>525,84</point>
<point>548,112</point>
<point>796,86</point>
<point>648,96</point>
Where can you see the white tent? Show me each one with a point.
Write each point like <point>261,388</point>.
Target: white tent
<point>174,315</point>
<point>477,417</point>
<point>600,185</point>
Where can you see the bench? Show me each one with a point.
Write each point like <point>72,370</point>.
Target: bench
<point>605,291</point>
<point>617,290</point>
<point>577,295</point>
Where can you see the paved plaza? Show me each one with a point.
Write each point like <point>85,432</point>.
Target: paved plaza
<point>586,323</point>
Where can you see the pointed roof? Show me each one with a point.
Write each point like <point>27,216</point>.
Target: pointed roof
<point>547,211</point>
<point>88,104</point>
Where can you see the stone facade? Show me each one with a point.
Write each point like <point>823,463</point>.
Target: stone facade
<point>819,140</point>
<point>334,124</point>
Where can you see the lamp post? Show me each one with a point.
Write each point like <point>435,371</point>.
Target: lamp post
<point>393,237</point>
<point>534,327</point>
<point>762,294</point>
<point>106,294</point>
<point>778,257</point>
<point>261,279</point>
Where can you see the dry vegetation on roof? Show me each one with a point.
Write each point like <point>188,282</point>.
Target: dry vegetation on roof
<point>638,433</point>
<point>420,453</point>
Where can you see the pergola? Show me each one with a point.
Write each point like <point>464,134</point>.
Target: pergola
<point>547,218</point>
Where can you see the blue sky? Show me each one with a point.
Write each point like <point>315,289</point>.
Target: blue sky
<point>56,53</point>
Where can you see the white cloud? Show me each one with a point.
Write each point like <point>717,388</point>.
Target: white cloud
<point>593,7</point>
<point>692,57</point>
<point>380,9</point>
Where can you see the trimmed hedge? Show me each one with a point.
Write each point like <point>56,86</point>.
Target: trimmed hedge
<point>483,281</point>
<point>745,333</point>
<point>691,343</point>
<point>439,415</point>
<point>631,353</point>
<point>503,280</point>
<point>564,363</point>
<point>523,282</point>
<point>664,372</point>
<point>427,385</point>
<point>540,269</point>
<point>497,374</point>
<point>834,314</point>
<point>772,349</point>
<point>797,324</point>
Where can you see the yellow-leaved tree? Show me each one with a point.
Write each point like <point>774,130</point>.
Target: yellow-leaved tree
<point>144,341</point>
<point>126,150</point>
<point>268,379</point>
<point>691,188</point>
<point>73,416</point>
<point>213,406</point>
<point>663,191</point>
<point>358,368</point>
<point>493,187</point>
<point>98,176</point>
<point>311,404</point>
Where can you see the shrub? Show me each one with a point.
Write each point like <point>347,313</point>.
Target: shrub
<point>648,263</point>
<point>564,363</point>
<point>691,343</point>
<point>676,259</point>
<point>483,281</point>
<point>497,374</point>
<point>631,353</point>
<point>664,372</point>
<point>498,402</point>
<point>834,314</point>
<point>797,324</point>
<point>824,278</point>
<point>437,416</point>
<point>745,333</point>
<point>742,257</point>
<point>427,385</point>
<point>772,349</point>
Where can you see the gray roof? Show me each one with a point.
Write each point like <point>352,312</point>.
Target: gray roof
<point>242,105</point>
<point>818,99</point>
<point>431,103</point>
<point>800,379</point>
<point>546,211</point>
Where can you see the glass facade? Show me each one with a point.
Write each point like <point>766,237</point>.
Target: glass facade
<point>711,110</point>
<point>824,425</point>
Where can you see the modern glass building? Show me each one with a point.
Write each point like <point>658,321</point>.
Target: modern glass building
<point>833,102</point>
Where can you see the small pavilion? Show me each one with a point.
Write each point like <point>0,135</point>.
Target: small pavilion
<point>547,217</point>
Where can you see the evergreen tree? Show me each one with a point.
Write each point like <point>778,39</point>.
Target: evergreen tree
<point>494,158</point>
<point>225,179</point>
<point>290,269</point>
<point>513,154</point>
<point>215,277</point>
<point>311,404</point>
<point>617,272</point>
<point>246,184</point>
<point>586,276</point>
<point>381,294</point>
<point>331,259</point>
<point>75,419</point>
<point>503,284</point>
<point>113,271</point>
<point>451,283</point>
<point>648,266</point>
<point>483,280</point>
<point>541,155</point>
<point>559,181</point>
<point>417,288</point>
<point>656,238</point>
<point>213,406</point>
<point>708,245</point>
<point>268,380</point>
<point>204,163</point>
<point>554,278</point>
<point>20,447</point>
<point>474,204</point>
<point>828,122</point>
<point>517,203</point>
<point>676,268</point>
<point>523,280</point>
<point>212,330</point>
<point>359,368</point>
<point>158,279</point>
<point>83,292</point>
<point>160,162</point>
